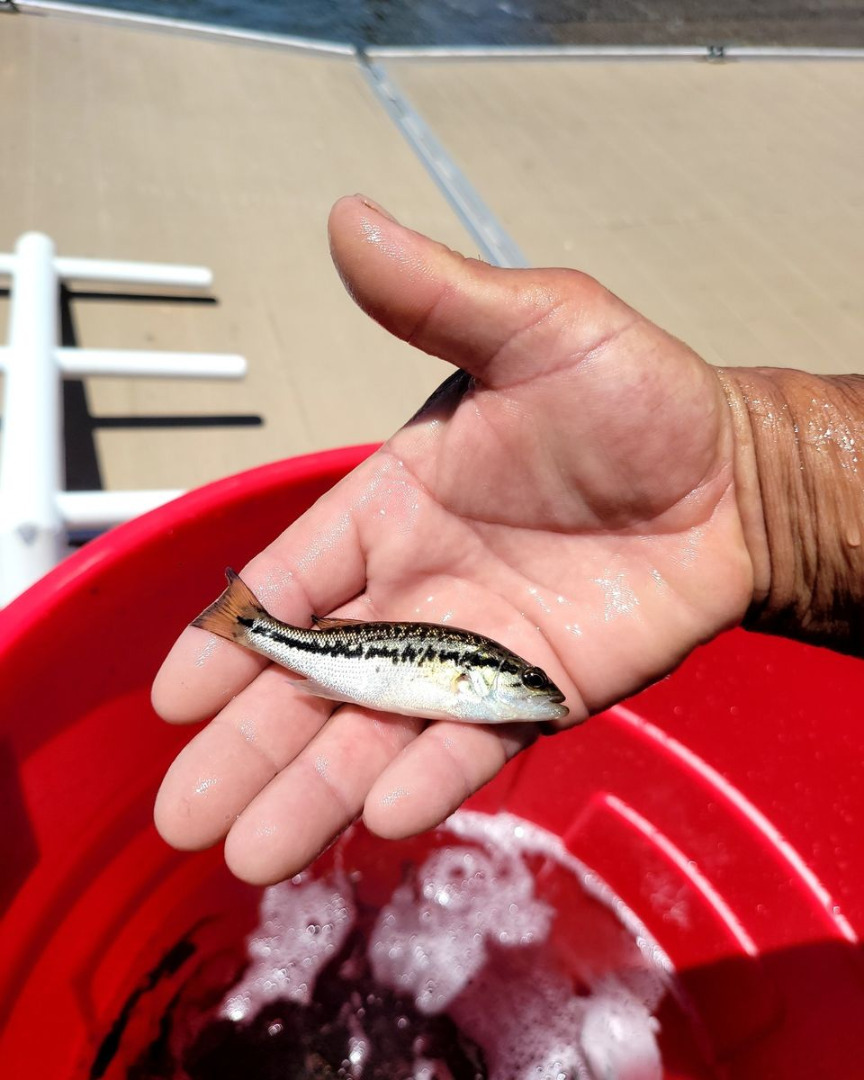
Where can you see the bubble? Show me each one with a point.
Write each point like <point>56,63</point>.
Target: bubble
<point>618,1038</point>
<point>432,938</point>
<point>468,935</point>
<point>521,1008</point>
<point>301,926</point>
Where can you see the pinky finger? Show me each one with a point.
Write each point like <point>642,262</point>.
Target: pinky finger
<point>437,772</point>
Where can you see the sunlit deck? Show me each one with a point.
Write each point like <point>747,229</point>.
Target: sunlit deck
<point>724,199</point>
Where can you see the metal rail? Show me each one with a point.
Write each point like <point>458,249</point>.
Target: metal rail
<point>189,27</point>
<point>711,51</point>
<point>35,512</point>
<point>695,50</point>
<point>494,242</point>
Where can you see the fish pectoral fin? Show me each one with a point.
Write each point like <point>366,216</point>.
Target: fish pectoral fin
<point>322,622</point>
<point>470,684</point>
<point>461,683</point>
<point>313,687</point>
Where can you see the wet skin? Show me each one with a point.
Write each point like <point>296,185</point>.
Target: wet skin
<point>599,531</point>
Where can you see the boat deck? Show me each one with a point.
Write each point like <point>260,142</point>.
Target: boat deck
<point>723,199</point>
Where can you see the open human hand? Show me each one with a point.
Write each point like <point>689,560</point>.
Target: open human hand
<point>571,493</point>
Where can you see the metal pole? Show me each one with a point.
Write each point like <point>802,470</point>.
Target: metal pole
<point>78,363</point>
<point>105,509</point>
<point>495,244</point>
<point>31,470</point>
<point>125,273</point>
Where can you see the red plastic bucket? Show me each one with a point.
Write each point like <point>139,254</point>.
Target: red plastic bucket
<point>724,806</point>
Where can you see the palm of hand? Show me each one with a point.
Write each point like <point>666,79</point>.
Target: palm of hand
<point>576,501</point>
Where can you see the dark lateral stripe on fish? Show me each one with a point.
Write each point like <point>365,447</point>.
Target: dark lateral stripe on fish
<point>304,644</point>
<point>399,651</point>
<point>321,642</point>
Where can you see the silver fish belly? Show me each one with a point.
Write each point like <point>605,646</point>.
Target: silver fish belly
<point>416,669</point>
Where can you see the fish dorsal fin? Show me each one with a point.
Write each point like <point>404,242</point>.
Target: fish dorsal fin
<point>320,622</point>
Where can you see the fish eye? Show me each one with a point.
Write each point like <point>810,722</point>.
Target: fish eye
<point>534,679</point>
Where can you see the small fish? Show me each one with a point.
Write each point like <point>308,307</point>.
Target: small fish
<point>413,668</point>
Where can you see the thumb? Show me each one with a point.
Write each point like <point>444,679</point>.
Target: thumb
<point>502,326</point>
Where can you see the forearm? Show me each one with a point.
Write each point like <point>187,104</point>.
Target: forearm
<point>800,474</point>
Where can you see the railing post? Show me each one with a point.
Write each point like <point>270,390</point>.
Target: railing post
<point>32,535</point>
<point>35,511</point>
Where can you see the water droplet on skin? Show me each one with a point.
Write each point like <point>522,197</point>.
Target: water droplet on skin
<point>274,584</point>
<point>372,232</point>
<point>618,598</point>
<point>658,579</point>
<point>534,592</point>
<point>246,728</point>
<point>392,797</point>
<point>205,784</point>
<point>212,645</point>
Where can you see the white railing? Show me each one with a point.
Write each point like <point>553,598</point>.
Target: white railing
<point>35,511</point>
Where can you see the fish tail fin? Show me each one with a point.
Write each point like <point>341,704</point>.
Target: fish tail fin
<point>234,612</point>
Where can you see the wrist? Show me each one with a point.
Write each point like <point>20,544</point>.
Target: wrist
<point>800,489</point>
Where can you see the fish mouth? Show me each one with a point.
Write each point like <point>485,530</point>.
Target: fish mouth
<point>556,697</point>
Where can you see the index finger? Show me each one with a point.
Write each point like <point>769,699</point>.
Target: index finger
<point>313,567</point>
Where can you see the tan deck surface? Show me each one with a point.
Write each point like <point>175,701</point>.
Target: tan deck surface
<point>724,200</point>
<point>128,143</point>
